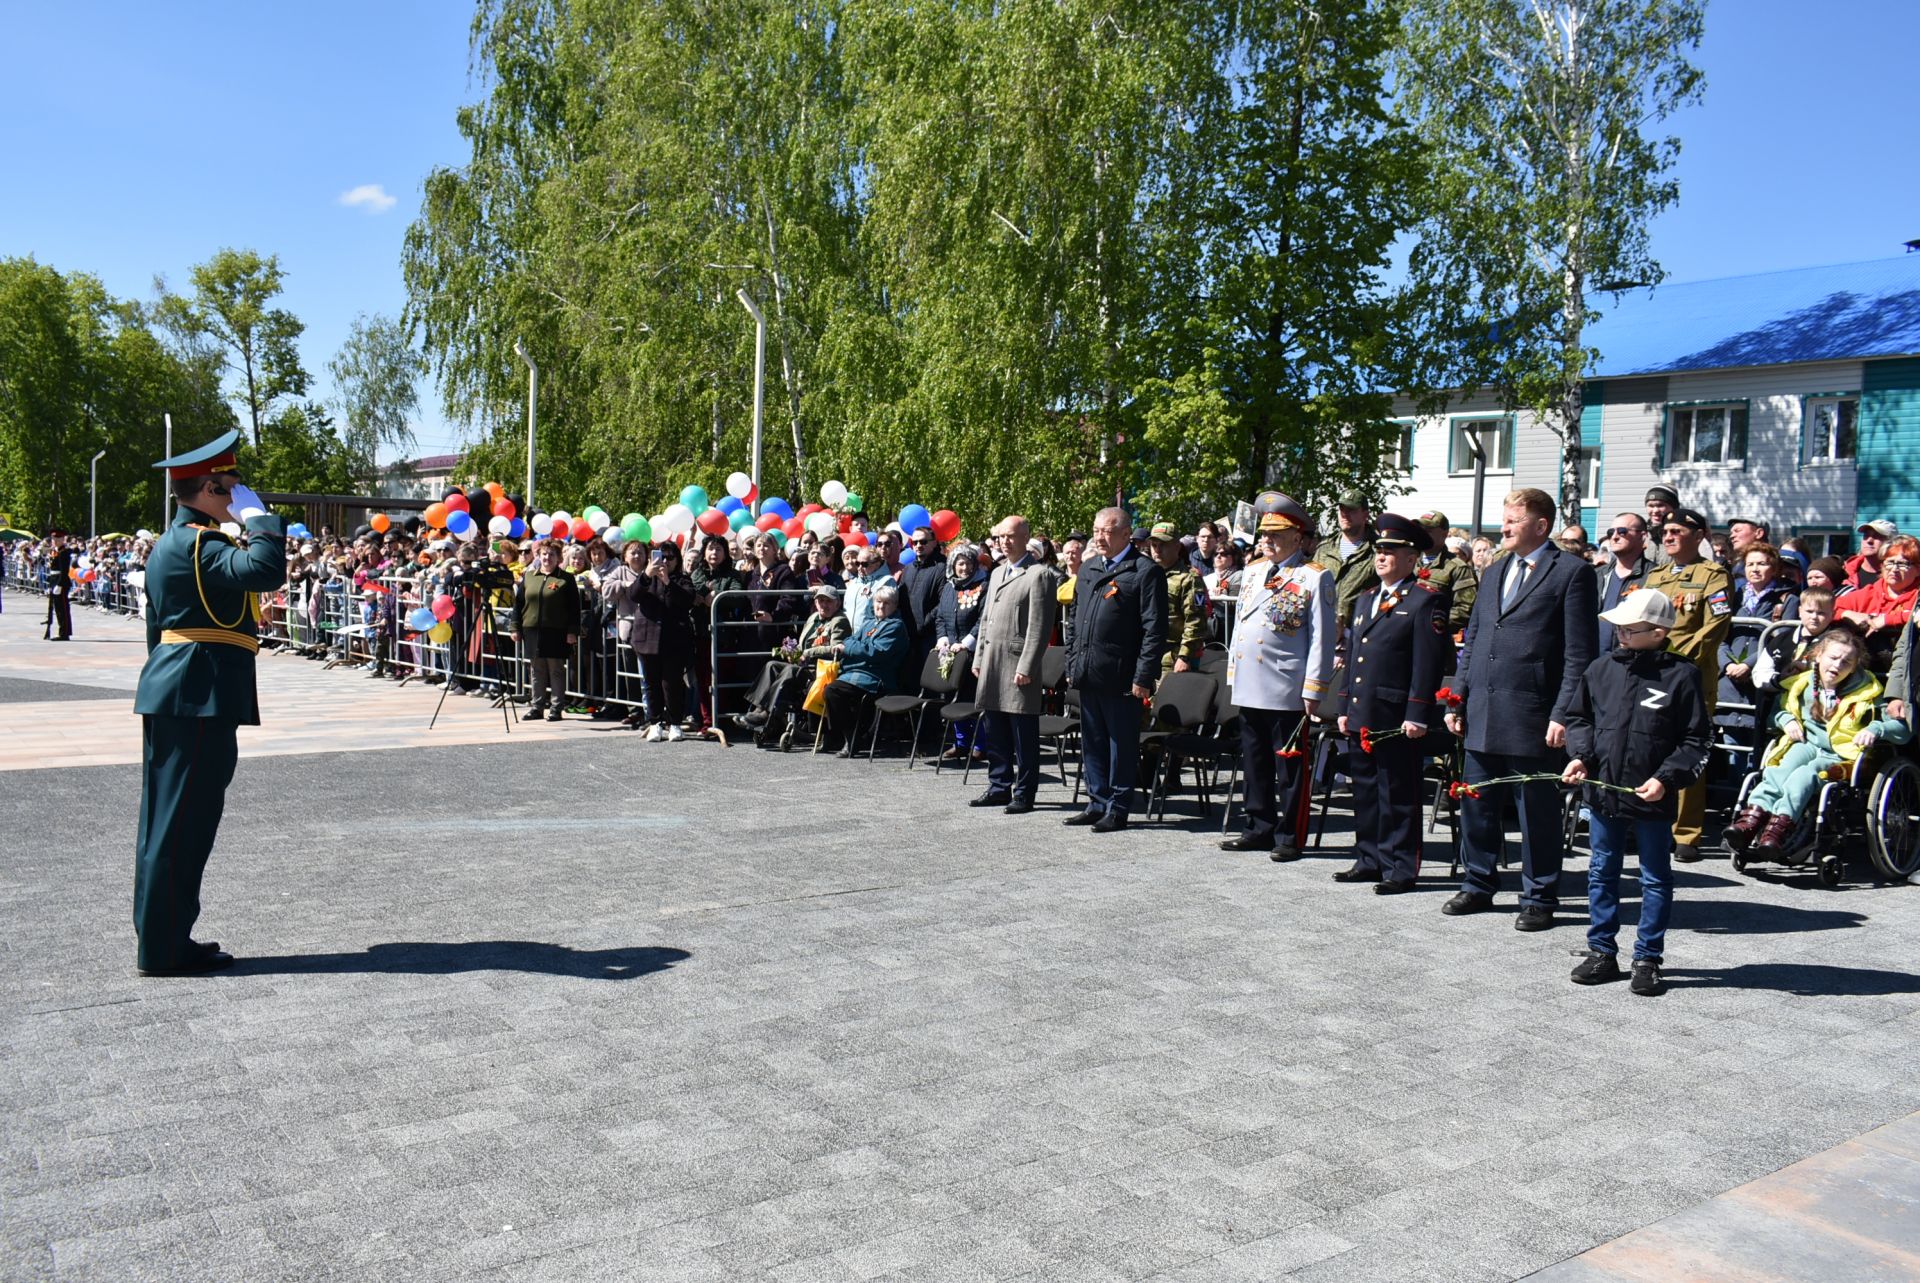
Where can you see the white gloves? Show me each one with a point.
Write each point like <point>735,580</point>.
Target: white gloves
<point>245,503</point>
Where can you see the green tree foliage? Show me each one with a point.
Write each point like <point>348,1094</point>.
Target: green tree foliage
<point>1027,255</point>
<point>1545,182</point>
<point>376,377</point>
<point>82,372</point>
<point>232,293</point>
<point>304,454</point>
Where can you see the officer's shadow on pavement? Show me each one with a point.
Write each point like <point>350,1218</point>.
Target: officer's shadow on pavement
<point>1803,979</point>
<point>440,958</point>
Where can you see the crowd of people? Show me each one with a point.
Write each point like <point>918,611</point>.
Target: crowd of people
<point>1525,646</point>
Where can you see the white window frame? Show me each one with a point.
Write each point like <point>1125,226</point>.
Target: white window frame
<point>1692,411</point>
<point>1460,460</point>
<point>1832,541</point>
<point>1590,458</point>
<point>1401,457</point>
<point>1809,408</point>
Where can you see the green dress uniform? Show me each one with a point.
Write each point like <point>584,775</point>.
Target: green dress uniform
<point>195,692</point>
<point>1702,596</point>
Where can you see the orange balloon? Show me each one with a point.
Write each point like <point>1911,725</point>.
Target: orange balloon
<point>495,489</point>
<point>380,522</point>
<point>436,515</point>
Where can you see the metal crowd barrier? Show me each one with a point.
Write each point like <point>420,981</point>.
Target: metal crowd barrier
<point>740,644</point>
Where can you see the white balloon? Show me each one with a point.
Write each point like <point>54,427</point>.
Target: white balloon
<point>498,526</point>
<point>541,524</point>
<point>679,517</point>
<point>614,536</point>
<point>822,524</point>
<point>561,517</point>
<point>833,494</point>
<point>598,519</point>
<point>471,533</point>
<point>739,485</point>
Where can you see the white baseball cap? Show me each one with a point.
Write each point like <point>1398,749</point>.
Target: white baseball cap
<point>1642,606</point>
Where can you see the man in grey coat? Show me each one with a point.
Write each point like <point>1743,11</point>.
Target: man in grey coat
<point>1015,624</point>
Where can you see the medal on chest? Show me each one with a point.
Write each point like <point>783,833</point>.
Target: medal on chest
<point>1286,605</point>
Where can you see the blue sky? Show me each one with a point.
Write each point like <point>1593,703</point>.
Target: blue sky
<point>137,139</point>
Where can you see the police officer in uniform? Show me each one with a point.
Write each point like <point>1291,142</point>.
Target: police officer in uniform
<point>1278,665</point>
<point>1702,594</point>
<point>60,587</point>
<point>1186,601</point>
<point>1396,649</point>
<point>197,689</point>
<point>1449,574</point>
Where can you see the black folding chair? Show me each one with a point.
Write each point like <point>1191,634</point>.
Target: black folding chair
<point>1181,702</point>
<point>934,690</point>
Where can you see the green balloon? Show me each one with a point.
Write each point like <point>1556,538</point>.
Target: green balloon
<point>855,503</point>
<point>635,527</point>
<point>740,518</point>
<point>695,497</point>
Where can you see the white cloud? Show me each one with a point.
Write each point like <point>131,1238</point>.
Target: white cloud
<point>371,197</point>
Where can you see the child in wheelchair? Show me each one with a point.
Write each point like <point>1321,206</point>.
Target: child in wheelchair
<point>1829,716</point>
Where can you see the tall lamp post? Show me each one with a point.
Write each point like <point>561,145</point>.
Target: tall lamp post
<point>533,388</point>
<point>759,385</point>
<point>93,496</point>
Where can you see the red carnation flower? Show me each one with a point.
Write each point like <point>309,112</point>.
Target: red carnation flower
<point>1366,740</point>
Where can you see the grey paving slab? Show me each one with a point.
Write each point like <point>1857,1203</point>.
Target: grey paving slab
<point>22,690</point>
<point>605,1009</point>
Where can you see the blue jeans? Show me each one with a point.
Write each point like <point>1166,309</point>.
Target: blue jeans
<point>1608,838</point>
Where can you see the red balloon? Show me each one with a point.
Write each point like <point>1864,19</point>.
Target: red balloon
<point>946,525</point>
<point>766,521</point>
<point>505,508</point>
<point>713,521</point>
<point>582,529</point>
<point>753,496</point>
<point>856,540</point>
<point>457,502</point>
<point>795,527</point>
<point>846,522</point>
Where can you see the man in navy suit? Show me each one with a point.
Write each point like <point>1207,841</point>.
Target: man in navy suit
<point>1119,630</point>
<point>1528,641</point>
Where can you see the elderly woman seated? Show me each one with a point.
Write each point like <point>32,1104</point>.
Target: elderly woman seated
<point>870,660</point>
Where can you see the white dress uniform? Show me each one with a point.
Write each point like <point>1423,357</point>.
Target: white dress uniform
<point>1281,655</point>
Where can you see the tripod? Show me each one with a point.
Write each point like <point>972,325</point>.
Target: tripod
<point>487,632</point>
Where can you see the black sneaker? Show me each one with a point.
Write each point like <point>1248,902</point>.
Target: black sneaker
<point>1597,969</point>
<point>1646,979</point>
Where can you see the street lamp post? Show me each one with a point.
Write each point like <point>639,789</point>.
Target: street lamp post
<point>533,388</point>
<point>93,495</point>
<point>759,385</point>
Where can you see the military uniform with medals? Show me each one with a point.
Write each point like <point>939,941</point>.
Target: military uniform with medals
<point>1397,652</point>
<point>1281,656</point>
<point>1703,604</point>
<point>196,691</point>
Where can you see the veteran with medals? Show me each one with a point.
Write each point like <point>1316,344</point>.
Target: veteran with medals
<point>1398,646</point>
<point>1279,664</point>
<point>196,691</point>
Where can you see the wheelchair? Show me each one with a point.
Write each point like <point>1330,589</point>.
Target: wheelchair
<point>1875,804</point>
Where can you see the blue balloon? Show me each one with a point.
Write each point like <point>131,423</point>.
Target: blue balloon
<point>915,517</point>
<point>457,522</point>
<point>518,530</point>
<point>779,508</point>
<point>730,505</point>
<point>421,619</point>
<point>297,531</point>
<point>906,557</point>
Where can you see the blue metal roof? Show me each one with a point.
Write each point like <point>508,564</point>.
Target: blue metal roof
<point>1847,312</point>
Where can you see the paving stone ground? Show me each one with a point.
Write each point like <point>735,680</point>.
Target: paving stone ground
<point>591,1008</point>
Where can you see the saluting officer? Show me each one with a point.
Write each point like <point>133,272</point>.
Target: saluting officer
<point>196,691</point>
<point>1396,651</point>
<point>1702,594</point>
<point>1447,572</point>
<point>1278,665</point>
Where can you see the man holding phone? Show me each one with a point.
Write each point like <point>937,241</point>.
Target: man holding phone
<point>197,689</point>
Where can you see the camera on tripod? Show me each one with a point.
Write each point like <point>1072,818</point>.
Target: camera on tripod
<point>485,576</point>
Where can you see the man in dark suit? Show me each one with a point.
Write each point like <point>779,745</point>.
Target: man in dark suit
<point>1119,630</point>
<point>1399,644</point>
<point>1529,640</point>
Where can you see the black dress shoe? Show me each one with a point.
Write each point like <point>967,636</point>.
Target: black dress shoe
<point>991,798</point>
<point>1285,853</point>
<point>1085,817</point>
<point>1686,853</point>
<point>197,965</point>
<point>1247,842</point>
<point>1393,886</point>
<point>204,946</point>
<point>1357,874</point>
<point>1020,806</point>
<point>1466,902</point>
<point>1111,822</point>
<point>1533,917</point>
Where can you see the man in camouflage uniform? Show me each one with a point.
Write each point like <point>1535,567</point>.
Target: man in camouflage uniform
<point>1703,611</point>
<point>1447,573</point>
<point>1187,611</point>
<point>1355,573</point>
